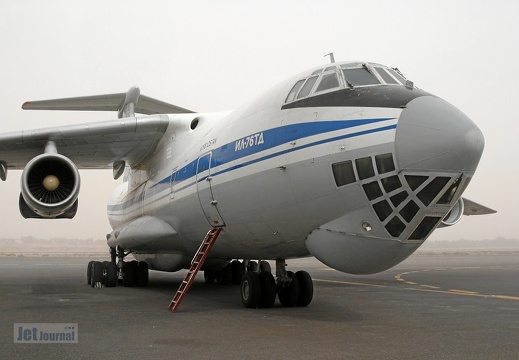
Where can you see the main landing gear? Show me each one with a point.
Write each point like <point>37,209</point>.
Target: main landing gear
<point>117,271</point>
<point>258,286</point>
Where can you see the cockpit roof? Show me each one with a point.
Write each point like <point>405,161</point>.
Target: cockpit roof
<point>343,75</point>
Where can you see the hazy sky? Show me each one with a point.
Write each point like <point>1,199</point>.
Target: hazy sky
<point>214,55</point>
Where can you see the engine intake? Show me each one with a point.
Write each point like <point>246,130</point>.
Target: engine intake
<point>50,187</point>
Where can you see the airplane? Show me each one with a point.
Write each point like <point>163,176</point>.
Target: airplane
<point>349,162</point>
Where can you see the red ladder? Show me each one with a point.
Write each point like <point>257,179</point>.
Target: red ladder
<point>196,264</point>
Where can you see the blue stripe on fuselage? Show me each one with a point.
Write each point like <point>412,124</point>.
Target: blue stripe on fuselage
<point>267,139</point>
<point>262,141</point>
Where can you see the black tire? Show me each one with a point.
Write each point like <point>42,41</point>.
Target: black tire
<point>97,273</point>
<point>129,274</point>
<point>209,276</point>
<point>238,270</point>
<point>306,288</point>
<point>268,289</point>
<point>111,274</point>
<point>289,295</point>
<point>225,275</point>
<point>265,266</point>
<point>142,274</point>
<point>252,266</point>
<point>89,272</point>
<point>250,290</point>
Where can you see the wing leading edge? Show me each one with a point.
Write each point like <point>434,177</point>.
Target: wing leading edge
<point>128,140</point>
<point>111,102</point>
<point>93,145</point>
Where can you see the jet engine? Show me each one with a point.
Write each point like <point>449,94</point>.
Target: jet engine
<point>49,188</point>
<point>454,215</point>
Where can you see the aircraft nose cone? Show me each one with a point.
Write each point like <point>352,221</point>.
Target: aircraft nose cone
<point>434,135</point>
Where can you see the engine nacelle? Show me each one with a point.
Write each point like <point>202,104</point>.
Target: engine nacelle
<point>49,187</point>
<point>454,215</point>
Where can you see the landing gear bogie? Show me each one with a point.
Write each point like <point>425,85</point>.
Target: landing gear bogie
<point>259,288</point>
<point>288,293</point>
<point>111,274</point>
<point>238,270</point>
<point>268,289</point>
<point>225,275</point>
<point>142,274</point>
<point>251,290</point>
<point>96,274</point>
<point>89,272</point>
<point>306,288</point>
<point>117,271</point>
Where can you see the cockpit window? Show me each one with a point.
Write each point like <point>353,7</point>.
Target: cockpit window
<point>388,79</point>
<point>397,75</point>
<point>360,77</point>
<point>346,75</point>
<point>328,81</point>
<point>309,84</point>
<point>292,95</point>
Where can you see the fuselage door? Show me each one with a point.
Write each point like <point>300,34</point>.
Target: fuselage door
<point>205,195</point>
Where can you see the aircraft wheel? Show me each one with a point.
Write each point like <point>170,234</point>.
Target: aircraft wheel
<point>225,275</point>
<point>96,274</point>
<point>268,289</point>
<point>89,272</point>
<point>306,288</point>
<point>142,274</point>
<point>129,273</point>
<point>252,266</point>
<point>238,270</point>
<point>289,295</point>
<point>251,290</point>
<point>265,266</point>
<point>111,274</point>
<point>209,276</point>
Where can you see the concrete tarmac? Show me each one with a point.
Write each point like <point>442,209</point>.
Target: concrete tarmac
<point>428,307</point>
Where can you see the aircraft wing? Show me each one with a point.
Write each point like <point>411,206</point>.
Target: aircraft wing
<point>93,145</point>
<point>473,208</point>
<point>110,102</point>
<point>129,139</point>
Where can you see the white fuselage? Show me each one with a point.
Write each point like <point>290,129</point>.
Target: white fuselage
<point>266,173</point>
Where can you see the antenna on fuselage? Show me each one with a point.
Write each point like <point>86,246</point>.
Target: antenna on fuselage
<point>332,58</point>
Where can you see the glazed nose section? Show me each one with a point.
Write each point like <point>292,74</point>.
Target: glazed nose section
<point>434,135</point>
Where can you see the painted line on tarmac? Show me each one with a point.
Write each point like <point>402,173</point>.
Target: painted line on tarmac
<point>436,289</point>
<point>349,283</point>
<point>485,296</point>
<point>424,288</point>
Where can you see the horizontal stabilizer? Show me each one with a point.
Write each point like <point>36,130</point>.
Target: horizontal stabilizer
<point>473,208</point>
<point>110,102</point>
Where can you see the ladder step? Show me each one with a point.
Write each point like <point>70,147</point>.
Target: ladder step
<point>196,264</point>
